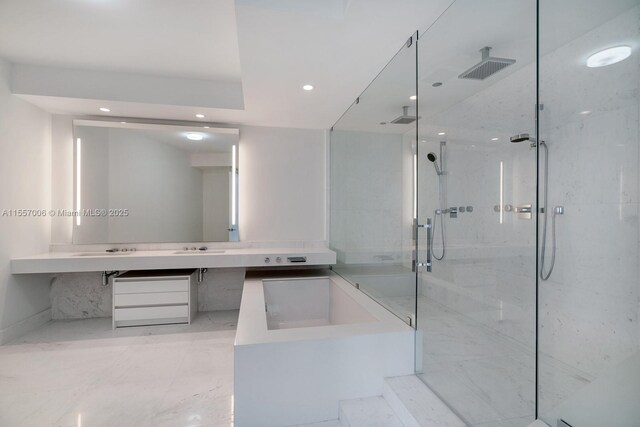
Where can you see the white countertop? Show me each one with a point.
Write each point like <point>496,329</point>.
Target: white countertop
<point>62,262</point>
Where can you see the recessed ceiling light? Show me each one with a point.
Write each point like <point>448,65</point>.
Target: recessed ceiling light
<point>105,110</point>
<point>194,136</point>
<point>585,112</point>
<point>200,116</point>
<point>441,133</point>
<point>413,97</point>
<point>308,87</point>
<point>124,123</point>
<point>206,127</point>
<point>494,139</point>
<point>608,56</point>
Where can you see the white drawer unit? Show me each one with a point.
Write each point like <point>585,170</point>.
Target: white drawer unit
<point>155,297</point>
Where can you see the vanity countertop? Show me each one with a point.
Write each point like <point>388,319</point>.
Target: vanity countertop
<point>62,262</point>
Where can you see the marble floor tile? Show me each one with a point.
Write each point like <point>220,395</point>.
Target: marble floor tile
<point>81,372</point>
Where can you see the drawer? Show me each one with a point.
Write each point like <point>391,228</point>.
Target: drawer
<point>150,313</point>
<point>151,298</point>
<point>144,286</point>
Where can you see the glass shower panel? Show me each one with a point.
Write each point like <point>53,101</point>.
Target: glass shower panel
<point>476,307</point>
<point>371,187</point>
<point>589,321</point>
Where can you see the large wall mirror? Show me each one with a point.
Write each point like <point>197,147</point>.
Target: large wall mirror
<point>153,183</point>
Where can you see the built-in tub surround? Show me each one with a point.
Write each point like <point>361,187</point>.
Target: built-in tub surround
<point>329,304</point>
<point>309,362</point>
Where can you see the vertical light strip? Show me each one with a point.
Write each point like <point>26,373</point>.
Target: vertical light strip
<point>415,186</point>
<point>233,186</point>
<point>78,178</point>
<point>501,191</point>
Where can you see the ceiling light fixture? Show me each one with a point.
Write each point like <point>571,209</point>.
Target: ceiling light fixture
<point>608,56</point>
<point>441,133</point>
<point>585,112</point>
<point>413,97</point>
<point>194,136</point>
<point>494,139</point>
<point>200,116</point>
<point>308,87</point>
<point>105,110</point>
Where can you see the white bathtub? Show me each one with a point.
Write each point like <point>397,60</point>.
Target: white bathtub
<point>311,301</point>
<point>305,343</point>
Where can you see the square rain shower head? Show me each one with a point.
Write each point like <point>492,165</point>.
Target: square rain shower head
<point>487,67</point>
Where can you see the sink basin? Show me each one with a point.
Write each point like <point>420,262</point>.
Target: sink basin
<point>104,253</point>
<point>208,251</point>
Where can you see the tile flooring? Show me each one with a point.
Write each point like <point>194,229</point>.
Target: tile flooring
<point>486,378</point>
<point>81,373</point>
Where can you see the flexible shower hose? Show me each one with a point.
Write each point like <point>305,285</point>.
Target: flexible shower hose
<point>543,275</point>
<point>435,222</point>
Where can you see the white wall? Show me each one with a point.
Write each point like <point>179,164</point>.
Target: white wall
<point>62,168</point>
<point>215,203</point>
<point>25,173</point>
<point>164,193</point>
<point>282,184</point>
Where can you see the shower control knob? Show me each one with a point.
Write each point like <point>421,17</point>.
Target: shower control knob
<point>469,208</point>
<point>278,259</point>
<point>267,260</point>
<point>461,209</point>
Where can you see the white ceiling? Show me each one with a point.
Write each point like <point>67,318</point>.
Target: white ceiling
<point>272,47</point>
<point>186,38</point>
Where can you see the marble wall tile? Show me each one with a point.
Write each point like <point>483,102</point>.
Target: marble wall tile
<point>81,295</point>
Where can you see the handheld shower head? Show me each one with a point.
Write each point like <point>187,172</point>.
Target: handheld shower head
<point>433,159</point>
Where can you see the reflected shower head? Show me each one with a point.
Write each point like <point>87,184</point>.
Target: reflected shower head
<point>433,159</point>
<point>405,118</point>
<point>487,67</point>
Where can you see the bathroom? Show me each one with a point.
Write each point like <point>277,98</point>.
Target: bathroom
<point>341,213</point>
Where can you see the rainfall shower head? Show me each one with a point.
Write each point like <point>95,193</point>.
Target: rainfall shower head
<point>487,67</point>
<point>405,118</point>
<point>434,159</point>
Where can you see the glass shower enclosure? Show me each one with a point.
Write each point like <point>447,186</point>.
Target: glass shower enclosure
<point>485,189</point>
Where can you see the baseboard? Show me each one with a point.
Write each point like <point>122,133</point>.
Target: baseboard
<point>25,326</point>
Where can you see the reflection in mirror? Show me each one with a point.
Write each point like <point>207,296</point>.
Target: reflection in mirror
<point>152,183</point>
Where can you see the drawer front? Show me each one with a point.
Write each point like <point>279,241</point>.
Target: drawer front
<point>144,286</point>
<point>144,313</point>
<point>155,298</point>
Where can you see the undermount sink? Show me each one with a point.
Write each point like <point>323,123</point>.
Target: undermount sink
<point>208,251</point>
<point>104,253</point>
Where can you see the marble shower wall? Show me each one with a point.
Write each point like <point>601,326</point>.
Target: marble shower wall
<point>81,295</point>
<point>589,307</point>
<point>367,185</point>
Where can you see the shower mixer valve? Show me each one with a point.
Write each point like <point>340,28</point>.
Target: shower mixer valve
<point>454,210</point>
